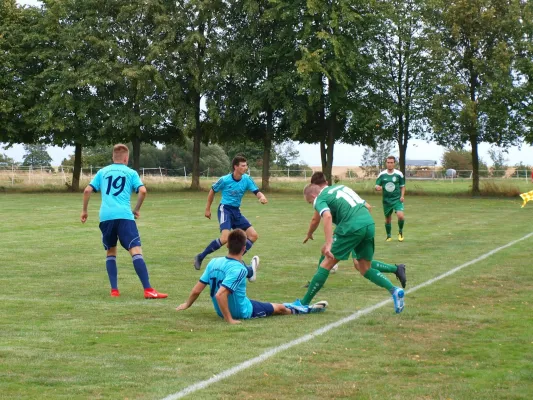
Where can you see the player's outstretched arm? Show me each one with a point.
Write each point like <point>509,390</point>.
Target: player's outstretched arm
<point>210,198</point>
<point>195,293</point>
<point>86,196</point>
<point>222,300</point>
<point>140,199</point>
<point>315,222</point>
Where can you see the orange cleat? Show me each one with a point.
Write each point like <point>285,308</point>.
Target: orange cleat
<point>151,293</point>
<point>115,293</point>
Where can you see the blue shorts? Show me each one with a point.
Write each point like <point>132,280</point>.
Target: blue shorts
<point>231,218</point>
<point>261,310</point>
<point>124,230</point>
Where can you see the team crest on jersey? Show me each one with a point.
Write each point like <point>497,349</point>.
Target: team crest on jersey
<point>389,187</point>
<point>394,179</point>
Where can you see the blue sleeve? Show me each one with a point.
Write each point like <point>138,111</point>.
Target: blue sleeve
<point>205,276</point>
<point>252,186</point>
<point>95,183</point>
<point>218,185</point>
<point>136,182</point>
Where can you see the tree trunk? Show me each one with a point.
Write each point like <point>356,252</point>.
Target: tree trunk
<point>475,166</point>
<point>267,147</point>
<point>75,187</point>
<point>195,182</point>
<point>136,143</point>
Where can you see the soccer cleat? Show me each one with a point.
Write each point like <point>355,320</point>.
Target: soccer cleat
<point>400,274</point>
<point>319,306</point>
<point>298,307</point>
<point>389,239</point>
<point>154,294</point>
<point>397,296</point>
<point>400,237</point>
<point>197,262</point>
<point>334,269</point>
<point>115,293</point>
<point>255,267</point>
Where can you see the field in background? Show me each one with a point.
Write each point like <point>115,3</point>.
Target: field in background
<point>469,336</point>
<point>57,180</point>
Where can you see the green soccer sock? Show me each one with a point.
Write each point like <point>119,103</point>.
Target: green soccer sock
<point>376,277</point>
<point>316,284</point>
<point>320,261</point>
<point>383,267</point>
<point>400,225</point>
<point>388,228</point>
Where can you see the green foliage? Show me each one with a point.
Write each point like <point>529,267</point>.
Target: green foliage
<point>460,160</point>
<point>36,156</point>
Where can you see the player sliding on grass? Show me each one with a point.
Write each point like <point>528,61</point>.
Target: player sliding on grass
<point>117,221</point>
<point>354,234</point>
<point>319,179</point>
<point>226,277</point>
<point>233,187</point>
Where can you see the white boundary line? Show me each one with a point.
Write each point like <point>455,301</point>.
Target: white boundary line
<point>269,353</point>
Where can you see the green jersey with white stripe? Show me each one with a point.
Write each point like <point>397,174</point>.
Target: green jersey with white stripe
<point>347,209</point>
<point>391,184</point>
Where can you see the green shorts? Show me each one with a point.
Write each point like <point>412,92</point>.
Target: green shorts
<point>389,208</point>
<point>360,242</point>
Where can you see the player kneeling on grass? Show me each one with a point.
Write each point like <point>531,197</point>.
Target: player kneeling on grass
<point>117,220</point>
<point>226,277</point>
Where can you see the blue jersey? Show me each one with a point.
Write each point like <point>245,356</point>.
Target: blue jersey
<point>116,182</point>
<point>233,190</point>
<point>230,273</point>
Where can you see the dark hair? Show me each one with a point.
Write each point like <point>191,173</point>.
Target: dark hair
<point>237,160</point>
<point>236,241</point>
<point>318,178</point>
<point>391,158</point>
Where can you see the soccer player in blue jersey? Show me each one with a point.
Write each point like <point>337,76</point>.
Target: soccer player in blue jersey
<point>226,278</point>
<point>233,187</point>
<point>116,182</point>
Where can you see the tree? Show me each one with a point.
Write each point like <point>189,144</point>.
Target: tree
<point>36,156</point>
<point>460,160</point>
<point>336,101</point>
<point>404,70</point>
<point>478,97</point>
<point>4,159</point>
<point>374,159</point>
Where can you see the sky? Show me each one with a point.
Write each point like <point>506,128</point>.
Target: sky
<point>343,154</point>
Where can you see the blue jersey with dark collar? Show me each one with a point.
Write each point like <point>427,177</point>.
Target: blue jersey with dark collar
<point>233,190</point>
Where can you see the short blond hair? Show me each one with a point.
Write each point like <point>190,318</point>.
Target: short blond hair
<point>120,151</point>
<point>311,189</point>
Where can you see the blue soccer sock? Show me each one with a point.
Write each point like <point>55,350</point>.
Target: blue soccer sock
<point>142,271</point>
<point>112,272</point>
<point>211,247</point>
<point>249,245</point>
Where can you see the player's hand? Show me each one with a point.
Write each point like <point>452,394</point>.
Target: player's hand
<point>401,199</point>
<point>182,307</point>
<point>234,321</point>
<point>378,188</point>
<point>207,214</point>
<point>326,250</point>
<point>83,216</point>
<point>308,237</point>
<point>136,214</point>
<point>263,200</point>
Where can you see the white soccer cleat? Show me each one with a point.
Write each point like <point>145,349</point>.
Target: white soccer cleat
<point>255,267</point>
<point>334,269</point>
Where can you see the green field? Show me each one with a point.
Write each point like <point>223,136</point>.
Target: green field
<point>467,336</point>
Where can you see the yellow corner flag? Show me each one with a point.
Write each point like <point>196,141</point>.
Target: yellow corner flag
<point>526,197</point>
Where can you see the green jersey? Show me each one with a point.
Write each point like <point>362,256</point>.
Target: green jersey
<point>391,184</point>
<point>348,210</point>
